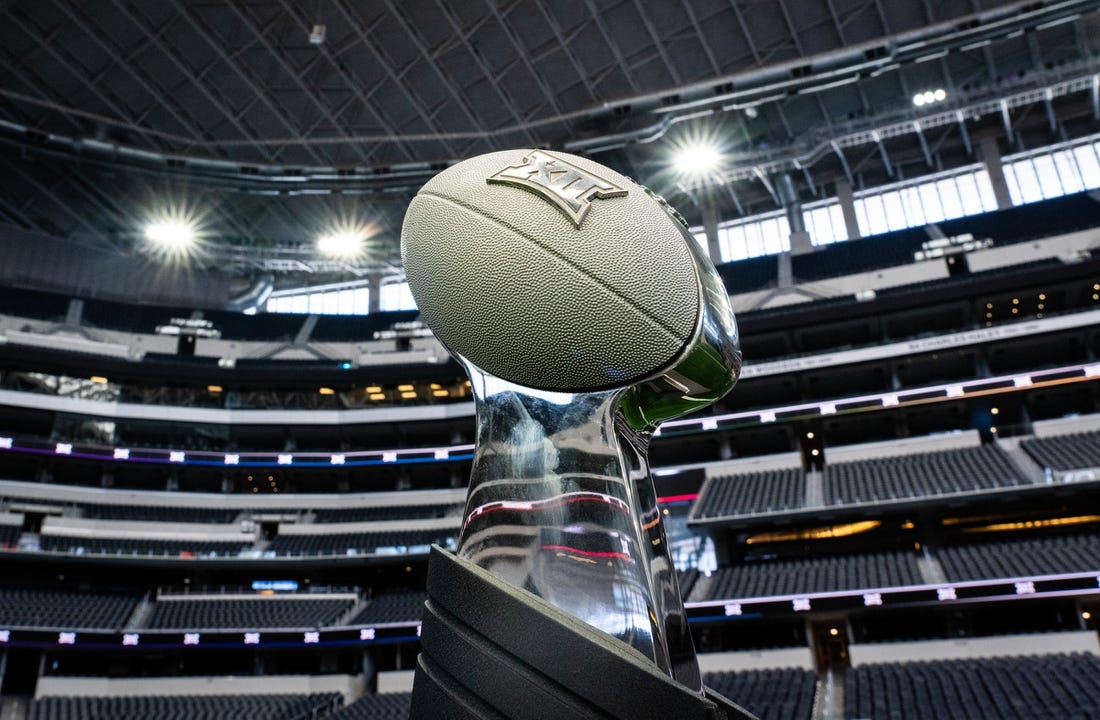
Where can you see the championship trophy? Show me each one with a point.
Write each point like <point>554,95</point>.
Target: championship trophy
<point>585,314</point>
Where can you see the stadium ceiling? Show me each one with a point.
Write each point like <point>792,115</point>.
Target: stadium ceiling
<point>270,118</point>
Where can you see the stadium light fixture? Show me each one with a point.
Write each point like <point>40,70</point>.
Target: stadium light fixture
<point>929,96</point>
<point>698,156</point>
<point>697,159</point>
<point>170,234</point>
<point>342,243</point>
<point>174,234</point>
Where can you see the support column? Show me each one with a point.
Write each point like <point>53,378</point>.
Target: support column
<point>792,206</point>
<point>374,297</point>
<point>991,158</point>
<point>847,208</point>
<point>75,311</point>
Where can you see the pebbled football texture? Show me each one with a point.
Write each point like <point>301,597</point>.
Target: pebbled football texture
<point>506,279</point>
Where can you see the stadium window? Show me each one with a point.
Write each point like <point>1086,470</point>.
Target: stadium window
<point>753,237</point>
<point>732,243</point>
<point>754,240</point>
<point>950,203</point>
<point>396,296</point>
<point>776,235</point>
<point>836,216</point>
<point>914,209</point>
<point>895,207</point>
<point>1067,171</point>
<point>820,223</point>
<point>1050,185</point>
<point>334,301</point>
<point>1030,177</point>
<point>873,220</point>
<point>969,196</point>
<point>1053,171</point>
<point>985,189</point>
<point>1088,165</point>
<point>1023,185</point>
<point>931,202</point>
<point>894,212</point>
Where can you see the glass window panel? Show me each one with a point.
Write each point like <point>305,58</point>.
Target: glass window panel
<point>754,243</point>
<point>1030,189</point>
<point>914,208</point>
<point>929,198</point>
<point>397,296</point>
<point>808,217</point>
<point>1013,185</point>
<point>386,297</point>
<point>732,240</point>
<point>985,190</point>
<point>341,301</point>
<point>895,211</point>
<point>836,217</point>
<point>1050,185</point>
<point>821,226</point>
<point>1067,171</point>
<point>740,242</point>
<point>345,302</point>
<point>300,303</point>
<point>724,249</point>
<point>769,231</point>
<point>784,234</point>
<point>969,197</point>
<point>949,198</point>
<point>876,216</point>
<point>1088,165</point>
<point>862,221</point>
<point>361,306</point>
<point>825,222</point>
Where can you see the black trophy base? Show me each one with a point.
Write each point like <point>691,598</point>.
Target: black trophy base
<point>494,652</point>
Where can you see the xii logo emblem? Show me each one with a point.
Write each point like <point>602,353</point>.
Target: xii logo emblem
<point>569,187</point>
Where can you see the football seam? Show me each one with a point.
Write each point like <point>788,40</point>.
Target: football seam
<point>537,243</point>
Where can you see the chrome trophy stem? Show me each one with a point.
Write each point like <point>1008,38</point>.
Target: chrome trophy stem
<point>562,504</point>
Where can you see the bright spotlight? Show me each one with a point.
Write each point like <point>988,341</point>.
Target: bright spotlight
<point>698,159</point>
<point>929,96</point>
<point>172,235</point>
<point>175,234</point>
<point>342,244</point>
